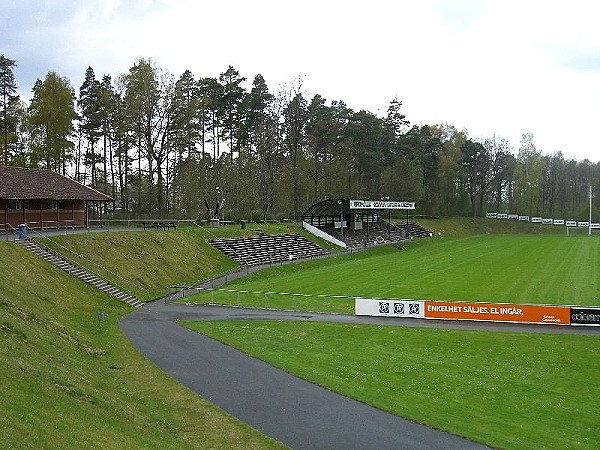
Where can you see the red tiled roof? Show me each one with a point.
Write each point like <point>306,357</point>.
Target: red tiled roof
<point>19,183</point>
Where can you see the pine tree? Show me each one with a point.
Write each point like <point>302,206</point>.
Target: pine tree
<point>90,122</point>
<point>8,86</point>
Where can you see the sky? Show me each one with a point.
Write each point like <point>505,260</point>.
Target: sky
<point>493,68</point>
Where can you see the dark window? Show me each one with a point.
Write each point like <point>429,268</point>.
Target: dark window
<point>53,204</point>
<point>18,204</point>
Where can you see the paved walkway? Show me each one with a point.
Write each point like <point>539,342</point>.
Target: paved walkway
<point>293,411</point>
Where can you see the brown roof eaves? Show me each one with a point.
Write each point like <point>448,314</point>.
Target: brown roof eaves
<point>19,183</point>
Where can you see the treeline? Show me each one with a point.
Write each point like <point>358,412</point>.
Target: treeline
<point>161,146</point>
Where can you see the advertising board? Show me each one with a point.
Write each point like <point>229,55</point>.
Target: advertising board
<point>585,316</point>
<point>389,308</point>
<point>495,312</point>
<point>556,315</point>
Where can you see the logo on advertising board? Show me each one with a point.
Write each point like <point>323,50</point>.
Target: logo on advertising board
<point>384,307</point>
<point>585,316</point>
<point>414,309</point>
<point>389,308</point>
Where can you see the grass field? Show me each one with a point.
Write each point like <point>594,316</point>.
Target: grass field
<point>507,390</point>
<point>538,269</point>
<point>69,382</point>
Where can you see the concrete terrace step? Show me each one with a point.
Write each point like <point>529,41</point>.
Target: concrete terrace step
<point>267,249</point>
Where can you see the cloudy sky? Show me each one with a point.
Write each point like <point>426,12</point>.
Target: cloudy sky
<point>499,68</point>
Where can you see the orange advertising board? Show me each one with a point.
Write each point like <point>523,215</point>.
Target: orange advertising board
<point>496,312</point>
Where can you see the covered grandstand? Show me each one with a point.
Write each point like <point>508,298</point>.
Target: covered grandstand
<point>357,223</point>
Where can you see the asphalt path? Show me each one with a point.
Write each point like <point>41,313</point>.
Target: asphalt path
<point>293,411</point>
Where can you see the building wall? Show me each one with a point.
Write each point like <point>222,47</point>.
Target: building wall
<point>42,213</point>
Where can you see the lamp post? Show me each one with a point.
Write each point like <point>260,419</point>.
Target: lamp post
<point>341,218</point>
<point>590,222</point>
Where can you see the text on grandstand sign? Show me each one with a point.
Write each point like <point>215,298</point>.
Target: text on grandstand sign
<point>380,204</point>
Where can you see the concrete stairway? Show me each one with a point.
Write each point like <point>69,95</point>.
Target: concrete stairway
<point>79,272</point>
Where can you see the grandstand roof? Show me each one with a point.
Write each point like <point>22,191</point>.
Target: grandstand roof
<point>328,208</point>
<point>332,207</point>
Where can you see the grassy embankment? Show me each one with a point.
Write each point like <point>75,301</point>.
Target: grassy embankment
<point>148,262</point>
<point>69,382</point>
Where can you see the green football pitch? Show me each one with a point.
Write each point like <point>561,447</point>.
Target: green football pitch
<point>530,269</point>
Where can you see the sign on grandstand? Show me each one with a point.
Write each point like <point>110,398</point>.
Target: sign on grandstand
<point>380,204</point>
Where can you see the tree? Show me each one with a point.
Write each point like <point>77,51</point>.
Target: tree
<point>451,177</point>
<point>476,163</point>
<point>8,86</point>
<point>182,127</point>
<point>295,116</point>
<point>90,121</point>
<point>146,101</point>
<point>50,122</point>
<point>365,131</point>
<point>107,104</point>
<point>321,137</point>
<point>422,145</point>
<point>258,102</point>
<point>231,108</point>
<point>528,177</point>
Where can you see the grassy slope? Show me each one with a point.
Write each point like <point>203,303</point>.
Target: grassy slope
<point>150,261</point>
<point>58,389</point>
<point>508,390</point>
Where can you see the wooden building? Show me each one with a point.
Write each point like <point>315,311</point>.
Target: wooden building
<point>44,199</point>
